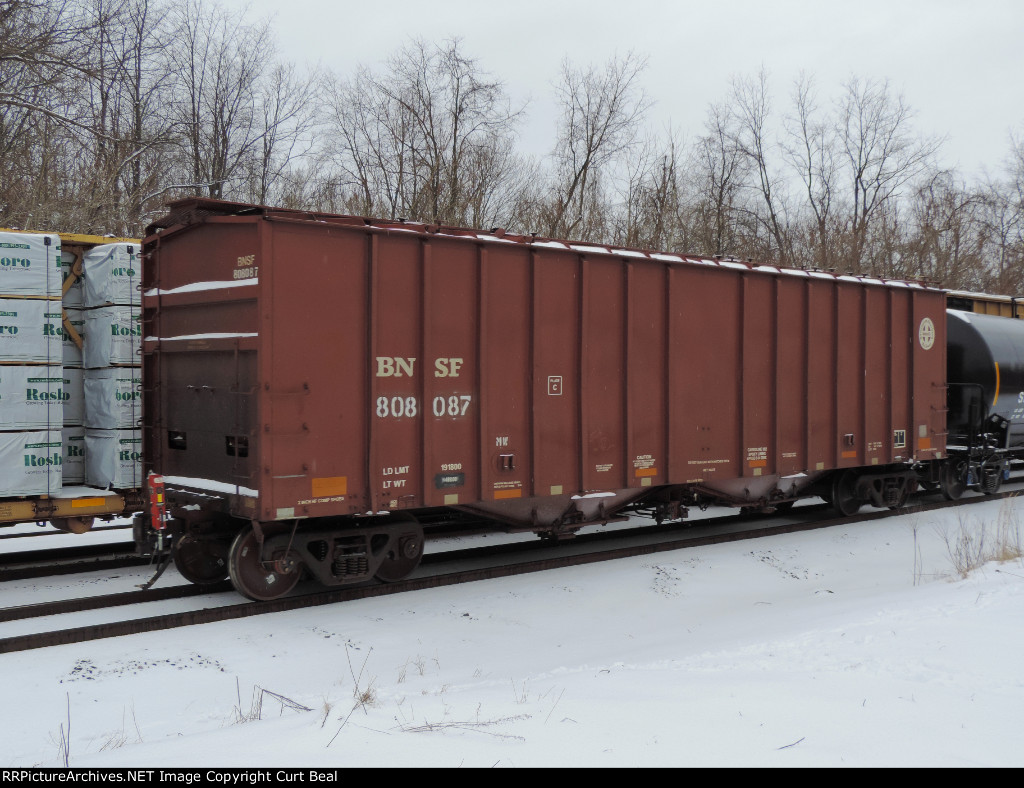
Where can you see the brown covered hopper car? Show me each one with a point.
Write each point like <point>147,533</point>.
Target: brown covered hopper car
<point>315,383</point>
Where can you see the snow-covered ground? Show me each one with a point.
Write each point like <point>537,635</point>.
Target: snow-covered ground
<point>861,646</point>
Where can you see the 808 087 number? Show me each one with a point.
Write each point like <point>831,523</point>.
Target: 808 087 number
<point>407,407</point>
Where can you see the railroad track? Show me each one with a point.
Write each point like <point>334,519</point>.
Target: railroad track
<point>437,570</point>
<point>31,564</point>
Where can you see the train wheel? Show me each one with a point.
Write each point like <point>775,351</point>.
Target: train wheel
<point>403,559</point>
<point>256,578</point>
<point>200,561</point>
<point>954,478</point>
<point>844,494</point>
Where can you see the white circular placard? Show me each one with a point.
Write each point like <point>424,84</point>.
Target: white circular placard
<point>926,333</point>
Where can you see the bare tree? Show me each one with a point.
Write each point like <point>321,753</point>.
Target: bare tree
<point>219,60</point>
<point>146,79</point>
<point>602,110</point>
<point>286,103</point>
<point>432,138</point>
<point>1003,200</point>
<point>648,214</point>
<point>751,106</point>
<point>811,150</point>
<point>39,53</point>
<point>41,126</point>
<point>365,153</point>
<point>457,112</point>
<point>882,155</point>
<point>721,170</point>
<point>126,88</point>
<point>947,234</point>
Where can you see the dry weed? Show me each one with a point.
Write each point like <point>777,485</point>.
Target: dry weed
<point>255,711</point>
<point>977,542</point>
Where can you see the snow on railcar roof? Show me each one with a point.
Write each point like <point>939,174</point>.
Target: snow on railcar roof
<point>196,287</point>
<point>485,237</point>
<point>210,485</point>
<point>195,337</point>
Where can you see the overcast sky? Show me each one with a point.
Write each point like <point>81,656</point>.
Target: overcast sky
<point>959,63</point>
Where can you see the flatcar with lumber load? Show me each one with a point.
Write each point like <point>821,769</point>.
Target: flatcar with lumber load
<point>69,506</point>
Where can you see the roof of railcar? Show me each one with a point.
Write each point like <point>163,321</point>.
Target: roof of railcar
<point>1003,299</point>
<point>197,209</point>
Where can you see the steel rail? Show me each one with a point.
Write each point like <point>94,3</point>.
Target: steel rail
<point>30,564</point>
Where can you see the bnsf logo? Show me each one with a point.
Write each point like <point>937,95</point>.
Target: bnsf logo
<point>15,262</point>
